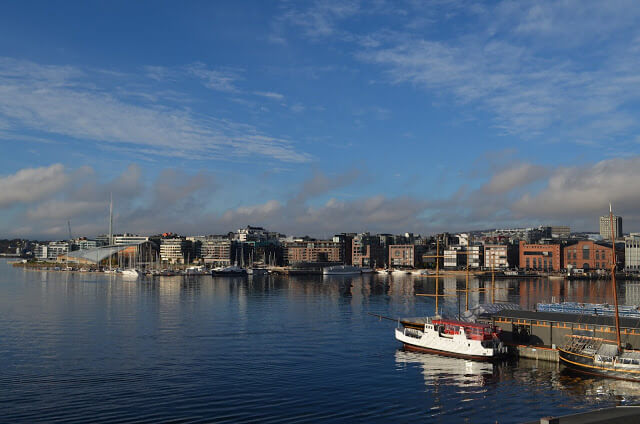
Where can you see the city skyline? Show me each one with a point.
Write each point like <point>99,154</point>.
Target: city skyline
<point>317,118</point>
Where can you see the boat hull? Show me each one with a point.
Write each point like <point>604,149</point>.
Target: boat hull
<point>414,348</point>
<point>585,365</point>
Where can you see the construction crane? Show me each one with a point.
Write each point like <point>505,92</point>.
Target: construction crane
<point>69,226</point>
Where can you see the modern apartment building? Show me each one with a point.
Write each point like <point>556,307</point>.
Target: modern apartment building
<point>313,251</point>
<point>216,251</point>
<point>605,227</point>
<point>51,251</point>
<point>496,256</point>
<point>632,252</point>
<point>461,256</point>
<point>174,250</point>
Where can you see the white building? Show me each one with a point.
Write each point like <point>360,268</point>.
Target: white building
<point>495,256</point>
<point>86,244</point>
<point>173,250</point>
<point>51,251</point>
<point>605,227</point>
<point>451,257</point>
<point>126,239</point>
<point>632,252</point>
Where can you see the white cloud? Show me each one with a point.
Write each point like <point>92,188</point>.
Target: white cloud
<point>514,177</point>
<point>31,184</point>
<point>64,101</point>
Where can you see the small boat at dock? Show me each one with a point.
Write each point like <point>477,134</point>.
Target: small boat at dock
<point>449,337</point>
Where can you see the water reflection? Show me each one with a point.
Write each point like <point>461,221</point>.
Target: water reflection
<point>442,370</point>
<point>298,348</point>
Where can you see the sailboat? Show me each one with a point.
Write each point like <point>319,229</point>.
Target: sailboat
<point>598,356</point>
<point>450,337</point>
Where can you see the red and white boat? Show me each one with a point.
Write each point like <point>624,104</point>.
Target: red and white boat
<point>449,337</point>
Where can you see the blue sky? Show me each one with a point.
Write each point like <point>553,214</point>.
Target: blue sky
<point>317,117</point>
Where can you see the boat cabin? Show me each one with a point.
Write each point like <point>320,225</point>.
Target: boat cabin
<point>472,330</point>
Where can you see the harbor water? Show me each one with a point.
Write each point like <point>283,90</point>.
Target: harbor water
<point>89,347</point>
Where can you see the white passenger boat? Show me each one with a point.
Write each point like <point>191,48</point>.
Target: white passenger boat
<point>447,337</point>
<point>341,270</point>
<point>130,273</point>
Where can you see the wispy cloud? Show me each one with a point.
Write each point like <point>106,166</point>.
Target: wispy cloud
<point>518,62</point>
<point>65,101</point>
<point>269,95</point>
<point>215,79</point>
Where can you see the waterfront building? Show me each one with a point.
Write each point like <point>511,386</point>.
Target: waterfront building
<point>540,257</point>
<point>312,251</point>
<point>402,255</point>
<point>632,252</point>
<point>174,250</point>
<point>605,227</point>
<point>369,251</point>
<point>51,251</point>
<point>217,251</point>
<point>346,240</point>
<point>454,257</point>
<point>587,255</point>
<point>496,256</point>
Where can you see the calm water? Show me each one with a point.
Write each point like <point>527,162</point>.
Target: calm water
<point>97,348</point>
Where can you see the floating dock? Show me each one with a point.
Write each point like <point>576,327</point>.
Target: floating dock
<point>535,335</point>
<point>615,415</point>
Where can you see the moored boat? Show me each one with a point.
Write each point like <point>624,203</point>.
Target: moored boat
<point>341,270</point>
<point>257,271</point>
<point>597,356</point>
<point>130,273</point>
<point>607,358</point>
<point>228,270</point>
<point>448,337</point>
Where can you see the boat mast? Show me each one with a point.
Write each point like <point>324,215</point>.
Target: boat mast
<point>613,274</point>
<point>437,269</point>
<point>466,290</point>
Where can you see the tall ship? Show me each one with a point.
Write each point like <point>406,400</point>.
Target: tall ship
<point>599,356</point>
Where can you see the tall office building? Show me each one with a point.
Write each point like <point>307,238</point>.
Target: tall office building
<point>605,227</point>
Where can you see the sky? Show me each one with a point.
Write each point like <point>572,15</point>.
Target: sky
<point>317,117</point>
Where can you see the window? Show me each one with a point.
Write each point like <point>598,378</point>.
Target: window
<point>585,251</point>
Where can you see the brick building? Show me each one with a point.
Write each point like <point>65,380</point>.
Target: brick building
<point>368,251</point>
<point>313,251</point>
<point>540,257</point>
<point>402,255</point>
<point>587,254</point>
